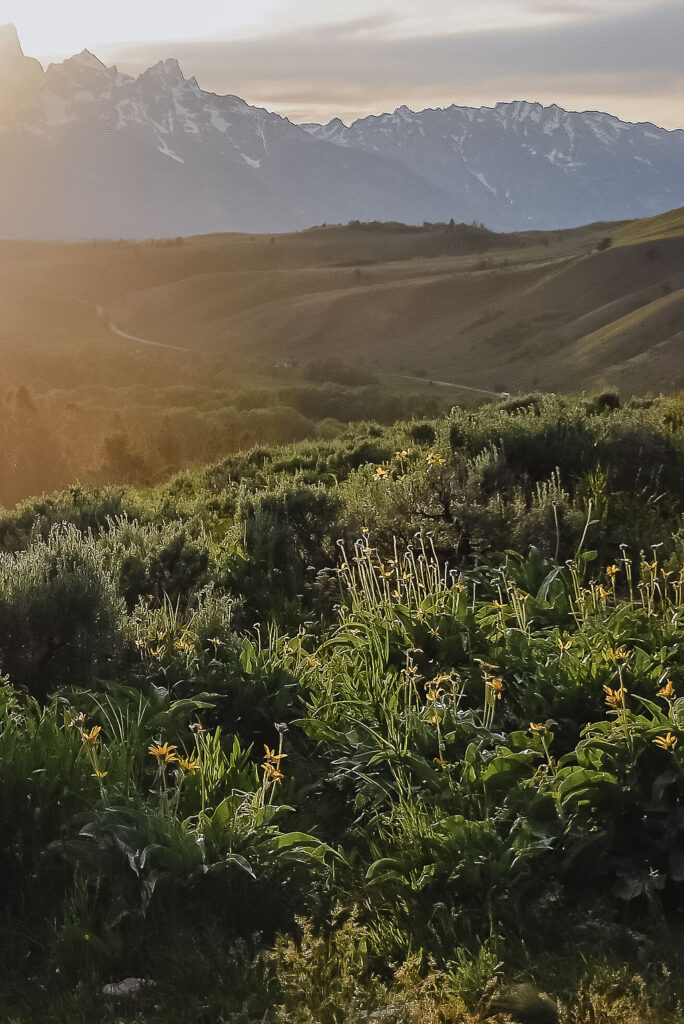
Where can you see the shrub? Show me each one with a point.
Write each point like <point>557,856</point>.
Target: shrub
<point>281,534</point>
<point>423,433</point>
<point>160,561</point>
<point>61,619</point>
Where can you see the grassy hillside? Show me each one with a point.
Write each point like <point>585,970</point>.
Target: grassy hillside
<point>508,317</point>
<point>123,362</point>
<point>385,726</point>
<point>650,229</point>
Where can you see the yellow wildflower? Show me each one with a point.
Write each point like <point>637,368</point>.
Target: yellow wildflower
<point>667,742</point>
<point>273,773</point>
<point>164,754</point>
<point>496,686</point>
<point>537,727</point>
<point>615,698</point>
<point>668,691</point>
<point>435,459</point>
<point>433,691</point>
<point>403,454</point>
<point>183,645</point>
<point>188,765</point>
<point>91,739</point>
<point>99,775</point>
<point>271,755</point>
<point>381,473</point>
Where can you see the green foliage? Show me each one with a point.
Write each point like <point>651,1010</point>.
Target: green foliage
<point>61,620</point>
<point>155,561</point>
<point>395,721</point>
<point>282,533</point>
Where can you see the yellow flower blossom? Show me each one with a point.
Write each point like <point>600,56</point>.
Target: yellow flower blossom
<point>667,742</point>
<point>164,754</point>
<point>97,774</point>
<point>271,755</point>
<point>91,739</point>
<point>435,459</point>
<point>537,727</point>
<point>667,691</point>
<point>272,772</point>
<point>381,473</point>
<point>433,691</point>
<point>496,686</point>
<point>188,765</point>
<point>615,698</point>
<point>183,645</point>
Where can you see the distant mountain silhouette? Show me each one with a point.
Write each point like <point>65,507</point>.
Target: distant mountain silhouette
<point>86,151</point>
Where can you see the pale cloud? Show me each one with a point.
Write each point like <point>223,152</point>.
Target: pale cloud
<point>313,60</point>
<point>625,59</point>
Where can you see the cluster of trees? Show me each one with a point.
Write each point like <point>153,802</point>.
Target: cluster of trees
<point>97,436</point>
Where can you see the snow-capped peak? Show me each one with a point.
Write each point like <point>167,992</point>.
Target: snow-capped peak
<point>207,162</point>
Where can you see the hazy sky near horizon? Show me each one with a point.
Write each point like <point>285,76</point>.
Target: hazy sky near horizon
<point>313,60</point>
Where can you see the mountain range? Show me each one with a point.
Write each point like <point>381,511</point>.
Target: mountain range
<point>88,152</point>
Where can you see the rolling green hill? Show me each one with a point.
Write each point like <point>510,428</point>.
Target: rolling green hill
<point>666,225</point>
<point>141,358</point>
<point>562,310</point>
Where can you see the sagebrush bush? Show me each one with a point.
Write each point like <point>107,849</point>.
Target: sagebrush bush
<point>62,621</point>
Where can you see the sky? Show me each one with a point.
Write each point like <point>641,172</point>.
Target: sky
<point>317,59</point>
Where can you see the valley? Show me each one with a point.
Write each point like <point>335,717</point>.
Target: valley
<point>141,358</point>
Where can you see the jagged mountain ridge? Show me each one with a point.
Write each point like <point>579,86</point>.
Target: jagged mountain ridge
<point>86,151</point>
<point>523,165</point>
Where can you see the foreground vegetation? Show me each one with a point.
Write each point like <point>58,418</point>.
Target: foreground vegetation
<point>383,727</point>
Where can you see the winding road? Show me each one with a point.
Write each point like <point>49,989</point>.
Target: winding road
<point>449,384</point>
<point>100,310</point>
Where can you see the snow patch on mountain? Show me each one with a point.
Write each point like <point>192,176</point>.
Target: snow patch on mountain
<point>81,131</point>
